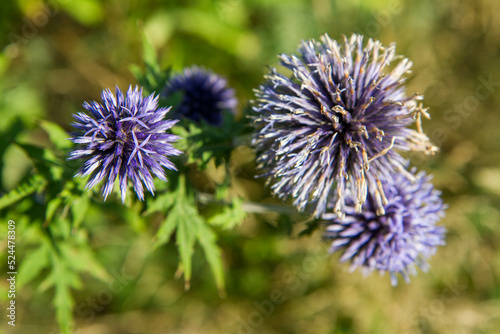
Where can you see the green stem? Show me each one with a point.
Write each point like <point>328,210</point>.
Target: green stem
<point>250,207</point>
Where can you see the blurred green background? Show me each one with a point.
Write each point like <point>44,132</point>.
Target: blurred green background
<point>56,54</point>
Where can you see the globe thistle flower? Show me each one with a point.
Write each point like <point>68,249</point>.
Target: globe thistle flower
<point>205,95</point>
<point>397,240</point>
<point>336,123</point>
<point>124,138</point>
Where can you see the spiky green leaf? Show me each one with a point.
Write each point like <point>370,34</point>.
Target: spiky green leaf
<point>230,216</point>
<point>34,184</point>
<point>207,240</point>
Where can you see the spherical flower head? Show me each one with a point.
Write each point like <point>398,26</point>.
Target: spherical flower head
<point>404,236</point>
<point>124,138</point>
<point>336,122</point>
<point>205,95</point>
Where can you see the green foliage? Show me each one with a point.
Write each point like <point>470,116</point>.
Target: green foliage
<point>79,207</point>
<point>68,259</point>
<point>202,142</point>
<point>34,263</point>
<point>34,184</point>
<point>152,78</point>
<point>57,135</point>
<point>60,252</point>
<point>62,278</point>
<point>311,226</point>
<point>182,216</point>
<point>230,216</point>
<point>88,12</point>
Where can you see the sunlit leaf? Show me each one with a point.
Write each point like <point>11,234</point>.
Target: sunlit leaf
<point>165,231</point>
<point>52,207</point>
<point>88,12</point>
<point>81,259</point>
<point>79,208</point>
<point>231,215</point>
<point>35,183</point>
<point>57,135</point>
<point>33,264</point>
<point>186,237</point>
<point>207,240</point>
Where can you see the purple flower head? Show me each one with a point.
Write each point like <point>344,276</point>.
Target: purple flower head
<point>124,137</point>
<point>205,95</point>
<point>397,240</point>
<point>336,122</point>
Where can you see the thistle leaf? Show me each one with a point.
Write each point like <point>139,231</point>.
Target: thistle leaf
<point>52,207</point>
<point>232,215</point>
<point>165,231</point>
<point>190,227</point>
<point>33,264</point>
<point>186,237</point>
<point>207,239</point>
<point>79,207</point>
<point>34,184</point>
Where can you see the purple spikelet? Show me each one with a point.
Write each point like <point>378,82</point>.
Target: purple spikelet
<point>205,95</point>
<point>124,137</point>
<point>336,123</point>
<point>404,236</point>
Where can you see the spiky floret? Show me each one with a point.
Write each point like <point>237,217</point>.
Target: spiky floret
<point>205,95</point>
<point>336,122</point>
<point>124,137</point>
<point>399,239</point>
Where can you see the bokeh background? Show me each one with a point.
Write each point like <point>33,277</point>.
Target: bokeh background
<point>56,54</point>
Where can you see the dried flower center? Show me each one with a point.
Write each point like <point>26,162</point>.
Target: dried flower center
<point>346,119</point>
